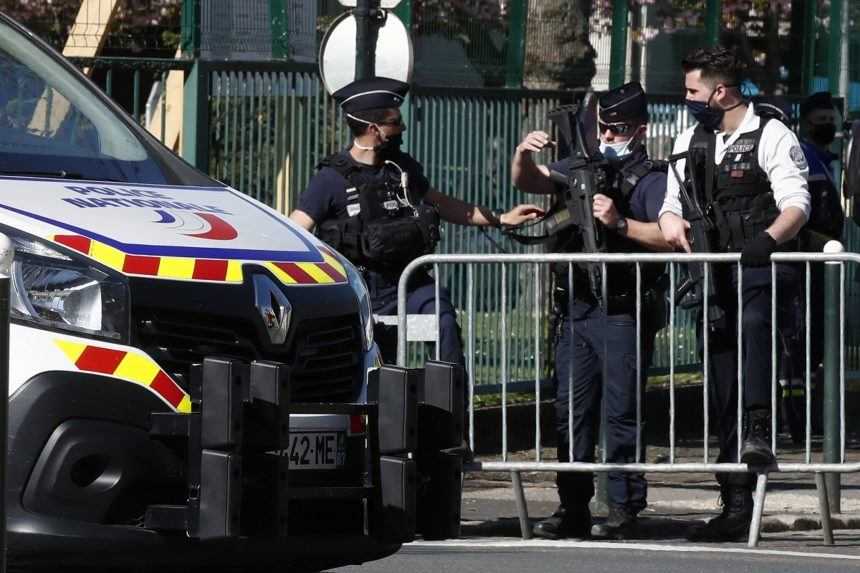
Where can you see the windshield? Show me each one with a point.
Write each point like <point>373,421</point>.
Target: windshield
<point>51,124</point>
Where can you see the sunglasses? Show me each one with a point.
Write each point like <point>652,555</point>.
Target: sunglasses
<point>393,122</point>
<point>616,128</point>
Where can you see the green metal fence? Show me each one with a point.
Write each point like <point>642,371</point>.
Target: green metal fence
<point>269,124</point>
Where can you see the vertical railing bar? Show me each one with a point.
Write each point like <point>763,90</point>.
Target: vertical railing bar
<point>808,352</point>
<point>537,322</point>
<point>842,362</point>
<point>438,311</point>
<point>773,361</point>
<point>740,354</point>
<point>639,377</point>
<point>570,436</point>
<point>504,354</point>
<point>671,363</point>
<point>604,293</point>
<point>470,312</point>
<point>706,267</point>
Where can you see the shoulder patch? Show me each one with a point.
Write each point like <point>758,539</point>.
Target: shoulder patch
<point>797,156</point>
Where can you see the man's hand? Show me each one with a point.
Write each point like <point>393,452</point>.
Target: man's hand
<point>534,142</point>
<point>757,252</point>
<point>675,231</point>
<point>520,214</point>
<point>605,211</point>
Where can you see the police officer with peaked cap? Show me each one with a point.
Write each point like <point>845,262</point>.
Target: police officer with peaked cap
<point>818,123</point>
<point>593,335</point>
<point>372,202</point>
<point>749,173</point>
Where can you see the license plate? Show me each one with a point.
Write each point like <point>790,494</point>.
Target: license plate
<point>316,450</point>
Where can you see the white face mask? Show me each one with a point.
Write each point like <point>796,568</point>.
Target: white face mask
<point>615,150</point>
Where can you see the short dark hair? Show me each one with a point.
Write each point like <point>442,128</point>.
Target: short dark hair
<point>358,128</point>
<point>717,64</point>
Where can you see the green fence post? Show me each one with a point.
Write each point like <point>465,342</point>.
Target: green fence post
<point>832,430</point>
<point>190,28</point>
<point>713,19</point>
<point>516,46</point>
<point>195,117</point>
<point>404,12</point>
<point>618,53</point>
<point>807,71</point>
<point>834,46</point>
<point>280,29</point>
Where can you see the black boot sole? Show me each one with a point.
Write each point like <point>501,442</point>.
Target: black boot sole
<point>758,458</point>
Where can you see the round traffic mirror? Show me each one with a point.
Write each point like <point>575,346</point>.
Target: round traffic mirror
<point>337,53</point>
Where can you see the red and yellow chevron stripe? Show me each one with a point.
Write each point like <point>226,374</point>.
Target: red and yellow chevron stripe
<point>330,271</point>
<point>128,366</point>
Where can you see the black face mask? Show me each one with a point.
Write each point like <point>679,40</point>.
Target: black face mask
<point>823,133</point>
<point>392,144</point>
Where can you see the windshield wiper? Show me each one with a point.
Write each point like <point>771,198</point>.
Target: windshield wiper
<point>60,174</point>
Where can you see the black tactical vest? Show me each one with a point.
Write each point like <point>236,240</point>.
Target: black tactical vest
<point>736,194</point>
<point>380,229</point>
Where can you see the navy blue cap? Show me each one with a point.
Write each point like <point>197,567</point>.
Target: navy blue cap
<point>371,93</point>
<point>623,104</point>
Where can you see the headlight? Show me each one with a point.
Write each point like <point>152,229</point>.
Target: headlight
<point>363,295</point>
<point>57,290</point>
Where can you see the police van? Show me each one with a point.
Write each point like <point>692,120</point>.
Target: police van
<point>189,371</point>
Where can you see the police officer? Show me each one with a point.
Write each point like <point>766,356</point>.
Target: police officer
<point>749,173</point>
<point>596,334</point>
<point>373,203</point>
<point>818,123</point>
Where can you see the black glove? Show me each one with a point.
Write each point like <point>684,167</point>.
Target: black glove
<point>757,252</point>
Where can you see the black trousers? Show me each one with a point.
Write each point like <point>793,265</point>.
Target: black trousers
<point>596,360</point>
<point>756,357</point>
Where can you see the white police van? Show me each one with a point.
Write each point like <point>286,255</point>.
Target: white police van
<point>131,270</point>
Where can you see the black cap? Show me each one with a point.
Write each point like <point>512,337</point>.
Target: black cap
<point>623,104</point>
<point>818,100</point>
<point>371,93</point>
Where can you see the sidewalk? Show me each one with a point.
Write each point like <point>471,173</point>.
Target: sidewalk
<point>675,501</point>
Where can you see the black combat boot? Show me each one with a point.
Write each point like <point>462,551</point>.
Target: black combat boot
<point>733,524</point>
<point>565,523</point>
<point>756,447</point>
<point>619,524</point>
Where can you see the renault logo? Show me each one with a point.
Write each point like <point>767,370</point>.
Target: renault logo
<point>274,308</point>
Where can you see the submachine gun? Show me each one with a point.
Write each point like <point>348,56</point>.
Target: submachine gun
<point>587,176</point>
<point>691,292</point>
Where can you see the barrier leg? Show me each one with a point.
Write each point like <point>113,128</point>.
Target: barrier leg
<point>758,509</point>
<point>824,508</point>
<point>522,506</point>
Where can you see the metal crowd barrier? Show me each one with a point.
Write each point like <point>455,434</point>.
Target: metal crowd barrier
<point>834,371</point>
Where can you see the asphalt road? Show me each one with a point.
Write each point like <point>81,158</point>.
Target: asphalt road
<point>801,553</point>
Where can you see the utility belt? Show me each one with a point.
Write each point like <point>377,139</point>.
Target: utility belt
<point>385,243</point>
<point>652,302</point>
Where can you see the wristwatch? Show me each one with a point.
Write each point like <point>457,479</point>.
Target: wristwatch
<point>621,226</point>
<point>496,218</point>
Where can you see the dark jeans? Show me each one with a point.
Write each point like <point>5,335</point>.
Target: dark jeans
<point>756,348</point>
<point>599,342</point>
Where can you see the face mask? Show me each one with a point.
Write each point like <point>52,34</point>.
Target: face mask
<point>391,144</point>
<point>823,133</point>
<point>615,150</point>
<point>709,117</point>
